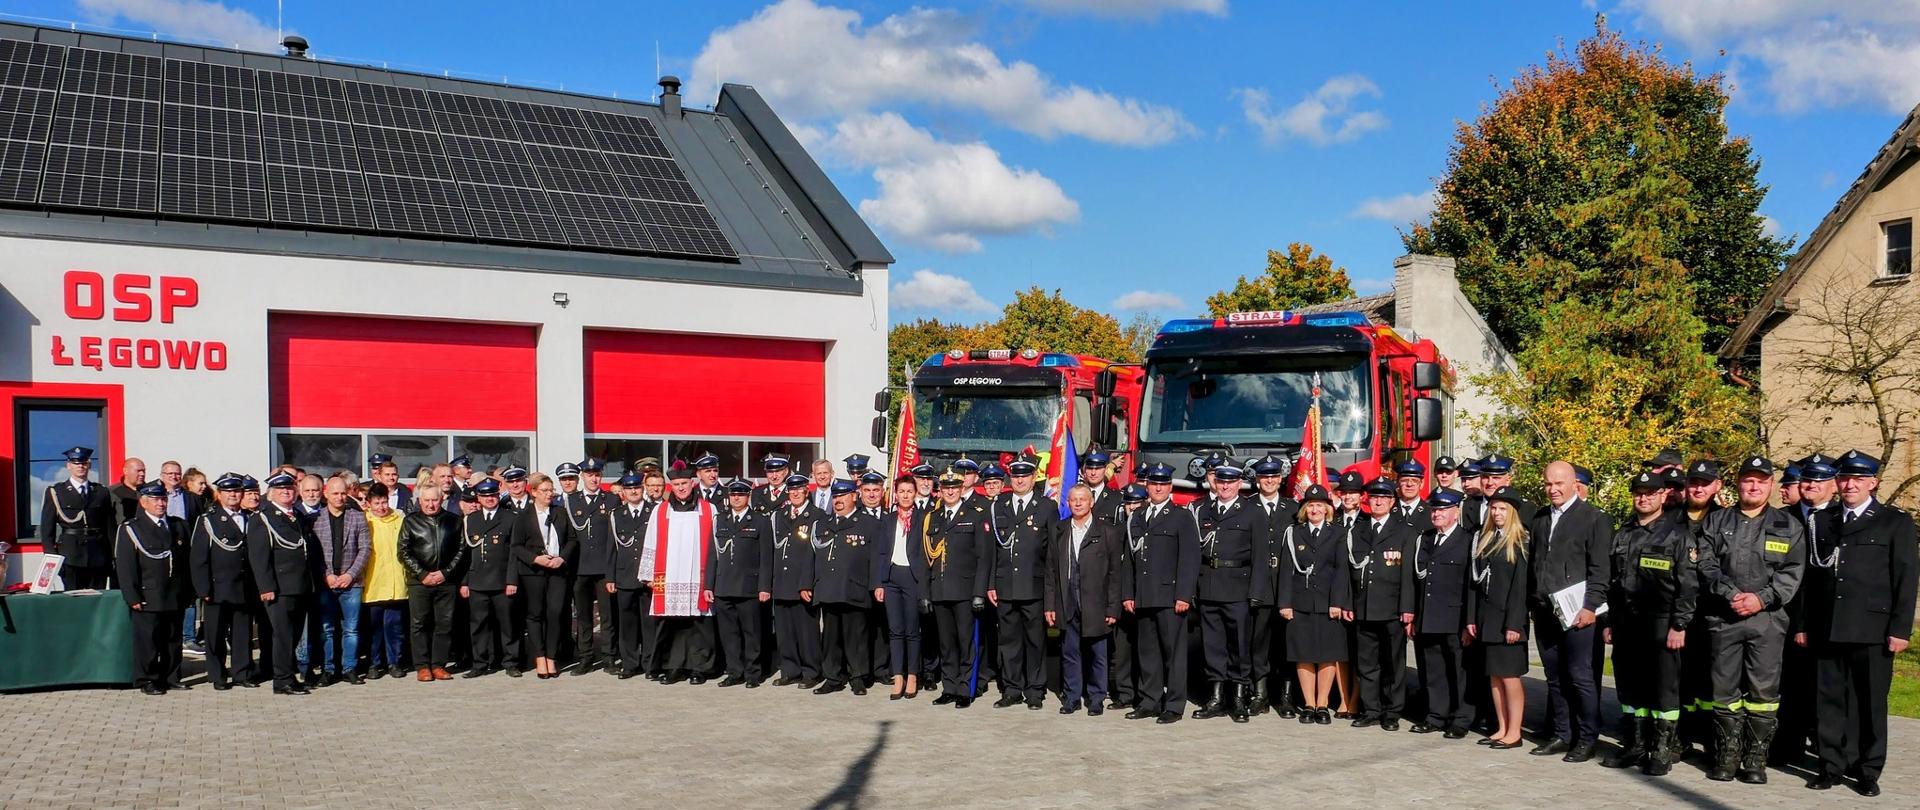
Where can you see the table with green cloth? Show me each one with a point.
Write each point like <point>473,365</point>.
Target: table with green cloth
<point>64,640</point>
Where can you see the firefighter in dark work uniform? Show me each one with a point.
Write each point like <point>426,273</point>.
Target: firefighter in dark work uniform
<point>75,517</point>
<point>1235,580</point>
<point>1752,558</point>
<point>1654,585</point>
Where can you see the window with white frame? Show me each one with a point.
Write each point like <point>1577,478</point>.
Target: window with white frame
<point>323,451</point>
<point>739,455</point>
<point>1898,236</point>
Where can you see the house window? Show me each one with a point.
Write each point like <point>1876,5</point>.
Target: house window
<point>1899,238</point>
<point>43,430</point>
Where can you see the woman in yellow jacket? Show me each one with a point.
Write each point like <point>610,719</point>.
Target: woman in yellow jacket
<point>385,589</point>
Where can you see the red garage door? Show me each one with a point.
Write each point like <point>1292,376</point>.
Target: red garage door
<point>662,384</point>
<point>337,371</point>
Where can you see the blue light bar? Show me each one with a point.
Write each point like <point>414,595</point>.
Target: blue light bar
<point>1176,327</point>
<point>1056,360</point>
<point>1335,319</point>
<point>938,359</point>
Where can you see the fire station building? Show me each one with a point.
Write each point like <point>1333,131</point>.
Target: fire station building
<point>237,259</point>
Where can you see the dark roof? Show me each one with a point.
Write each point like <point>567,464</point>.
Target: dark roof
<point>1767,312</point>
<point>776,220</point>
<point>1377,308</point>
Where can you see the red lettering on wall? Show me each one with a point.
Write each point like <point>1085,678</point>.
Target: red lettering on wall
<point>177,292</point>
<point>84,294</point>
<point>131,293</point>
<point>100,353</point>
<point>137,298</point>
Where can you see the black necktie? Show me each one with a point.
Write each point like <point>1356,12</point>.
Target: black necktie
<point>1847,516</point>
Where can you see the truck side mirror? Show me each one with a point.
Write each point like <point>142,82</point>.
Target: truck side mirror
<point>879,436</point>
<point>1427,419</point>
<point>882,400</point>
<point>1105,383</point>
<point>1426,376</point>
<point>1103,423</point>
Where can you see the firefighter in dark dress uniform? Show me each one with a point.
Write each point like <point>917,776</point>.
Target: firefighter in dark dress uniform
<point>957,545</point>
<point>1235,579</point>
<point>1163,570</point>
<point>1023,522</point>
<point>1818,510</point>
<point>796,621</point>
<point>151,568</point>
<point>1654,586</point>
<point>843,578</point>
<point>1752,559</point>
<point>1123,670</point>
<point>224,581</point>
<point>491,579</point>
<point>278,542</point>
<point>1096,470</point>
<point>766,499</point>
<point>1857,615</point>
<point>1410,482</point>
<point>1376,554</point>
<point>1269,630</point>
<point>76,516</point>
<point>739,579</point>
<point>1433,594</point>
<point>628,584</point>
<point>587,509</point>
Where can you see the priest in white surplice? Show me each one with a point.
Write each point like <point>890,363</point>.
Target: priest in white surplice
<point>680,543</point>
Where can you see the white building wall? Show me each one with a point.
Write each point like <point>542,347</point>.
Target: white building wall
<point>218,420</point>
<point>1429,303</point>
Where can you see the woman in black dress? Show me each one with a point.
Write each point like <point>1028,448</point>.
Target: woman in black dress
<point>547,549</point>
<point>1314,599</point>
<point>1497,613</point>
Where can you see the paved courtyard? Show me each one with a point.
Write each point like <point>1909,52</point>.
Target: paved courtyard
<point>597,742</point>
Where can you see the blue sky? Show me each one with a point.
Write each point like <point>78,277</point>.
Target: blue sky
<point>1137,154</point>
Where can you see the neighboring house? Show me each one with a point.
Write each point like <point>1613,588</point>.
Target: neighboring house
<point>1860,258</point>
<point>1426,302</point>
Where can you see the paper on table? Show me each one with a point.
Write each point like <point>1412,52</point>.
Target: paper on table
<point>1569,601</point>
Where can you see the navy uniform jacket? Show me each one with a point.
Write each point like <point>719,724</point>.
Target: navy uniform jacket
<point>1656,580</point>
<point>1860,589</point>
<point>1578,551</point>
<point>1420,519</point>
<point>533,542</point>
<point>767,499</point>
<point>626,541</point>
<point>1470,507</point>
<point>843,559</point>
<point>490,542</point>
<point>1433,586</point>
<point>1765,555</point>
<point>792,562</point>
<point>1375,561</point>
<point>280,553</point>
<point>1325,583</point>
<point>1499,601</point>
<point>157,585</point>
<point>915,582</point>
<point>76,525</point>
<point>1108,503</point>
<point>1236,545</point>
<point>1020,550</point>
<point>1086,587</point>
<point>959,552</point>
<point>219,558</point>
<point>742,562</point>
<point>587,511</point>
<point>1163,557</point>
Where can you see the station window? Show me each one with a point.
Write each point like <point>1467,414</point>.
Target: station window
<point>739,456</point>
<point>326,452</point>
<point>42,431</point>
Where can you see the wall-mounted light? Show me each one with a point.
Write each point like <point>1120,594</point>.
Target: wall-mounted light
<point>560,299</point>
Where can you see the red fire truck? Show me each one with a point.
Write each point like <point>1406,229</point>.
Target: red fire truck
<point>1242,386</point>
<point>990,404</point>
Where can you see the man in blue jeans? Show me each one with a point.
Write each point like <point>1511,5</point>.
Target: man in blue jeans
<point>344,546</point>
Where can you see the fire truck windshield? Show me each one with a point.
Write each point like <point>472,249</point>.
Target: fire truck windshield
<point>1253,401</point>
<point>973,418</point>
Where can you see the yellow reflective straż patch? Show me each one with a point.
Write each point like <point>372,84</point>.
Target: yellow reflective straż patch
<point>1778,546</point>
<point>1656,563</point>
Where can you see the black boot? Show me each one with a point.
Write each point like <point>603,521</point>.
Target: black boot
<point>1726,745</point>
<point>1633,741</point>
<point>1237,700</point>
<point>1258,705</point>
<point>1753,761</point>
<point>1663,749</point>
<point>1283,701</point>
<point>1217,706</point>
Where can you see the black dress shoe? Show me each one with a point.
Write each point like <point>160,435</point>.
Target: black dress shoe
<point>1390,724</point>
<point>673,678</point>
<point>1550,747</point>
<point>1167,718</point>
<point>1068,708</point>
<point>291,690</point>
<point>513,672</point>
<point>785,681</point>
<point>1500,746</point>
<point>1287,712</point>
<point>1363,722</point>
<point>1823,782</point>
<point>623,675</point>
<point>357,679</point>
<point>1486,741</point>
<point>1006,700</point>
<point>1034,705</point>
<point>1095,710</point>
<point>962,702</point>
<point>830,688</point>
<point>178,684</point>
<point>945,699</point>
<point>859,689</point>
<point>1323,718</point>
<point>697,680</point>
<point>152,689</point>
<point>1583,753</point>
<point>753,683</point>
<point>811,683</point>
<point>476,672</point>
<point>1307,716</point>
<point>730,681</point>
<point>1455,734</point>
<point>222,687</point>
<point>1141,714</point>
<point>1867,787</point>
<point>1756,776</point>
<point>1116,703</point>
<point>247,683</point>
<point>1423,728</point>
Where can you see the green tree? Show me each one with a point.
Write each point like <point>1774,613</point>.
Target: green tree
<point>1297,278</point>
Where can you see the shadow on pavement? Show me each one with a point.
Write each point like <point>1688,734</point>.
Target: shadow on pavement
<point>853,786</point>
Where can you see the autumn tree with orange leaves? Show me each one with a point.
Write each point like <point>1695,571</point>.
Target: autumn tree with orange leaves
<point>1607,227</point>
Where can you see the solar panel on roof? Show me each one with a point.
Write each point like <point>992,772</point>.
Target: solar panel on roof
<point>103,146</point>
<point>409,182</point>
<point>210,145</point>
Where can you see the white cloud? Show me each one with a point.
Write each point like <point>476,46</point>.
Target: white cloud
<point>1838,53</point>
<point>188,19</point>
<point>1398,209</point>
<point>1769,226</point>
<point>1324,116</point>
<point>812,60</point>
<point>940,194</point>
<point>1148,301</point>
<point>928,290</point>
<point>1138,9</point>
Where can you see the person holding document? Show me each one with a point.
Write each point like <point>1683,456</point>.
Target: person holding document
<point>1571,542</point>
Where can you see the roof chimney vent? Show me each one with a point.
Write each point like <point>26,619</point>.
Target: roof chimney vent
<point>296,46</point>
<point>670,95</point>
